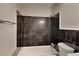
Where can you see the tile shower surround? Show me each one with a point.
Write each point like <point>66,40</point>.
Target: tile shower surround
<point>33,31</point>
<point>29,33</point>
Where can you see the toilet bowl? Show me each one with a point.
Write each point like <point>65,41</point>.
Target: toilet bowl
<point>64,49</point>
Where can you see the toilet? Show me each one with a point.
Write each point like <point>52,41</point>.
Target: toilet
<point>64,49</point>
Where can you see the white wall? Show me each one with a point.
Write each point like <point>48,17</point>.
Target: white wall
<point>7,31</point>
<point>35,9</point>
<point>69,15</point>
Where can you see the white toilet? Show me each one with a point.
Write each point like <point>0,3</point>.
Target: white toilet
<point>64,49</point>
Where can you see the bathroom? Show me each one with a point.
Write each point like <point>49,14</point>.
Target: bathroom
<point>39,29</point>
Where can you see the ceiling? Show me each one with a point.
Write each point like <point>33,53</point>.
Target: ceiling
<point>36,4</point>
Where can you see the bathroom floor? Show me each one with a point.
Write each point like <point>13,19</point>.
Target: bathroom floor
<point>38,51</point>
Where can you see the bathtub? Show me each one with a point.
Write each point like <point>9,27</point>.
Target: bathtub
<point>46,50</point>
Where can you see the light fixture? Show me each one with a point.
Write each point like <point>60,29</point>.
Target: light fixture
<point>42,22</point>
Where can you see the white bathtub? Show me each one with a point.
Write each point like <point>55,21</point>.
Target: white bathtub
<point>46,50</point>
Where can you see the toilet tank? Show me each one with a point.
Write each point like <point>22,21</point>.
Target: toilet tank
<point>64,49</point>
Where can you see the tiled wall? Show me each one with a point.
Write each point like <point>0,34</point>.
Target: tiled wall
<point>33,31</point>
<point>70,36</point>
<point>55,29</point>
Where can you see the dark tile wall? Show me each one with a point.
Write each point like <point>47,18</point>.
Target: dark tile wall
<point>70,36</point>
<point>20,21</point>
<point>55,29</point>
<point>33,31</point>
